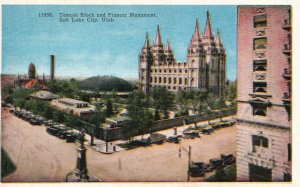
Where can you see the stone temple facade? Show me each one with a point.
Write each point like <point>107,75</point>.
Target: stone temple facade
<point>264,93</point>
<point>205,67</point>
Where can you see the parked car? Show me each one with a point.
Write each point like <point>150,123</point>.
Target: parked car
<point>157,138</point>
<point>228,159</point>
<point>191,134</point>
<point>72,136</point>
<point>33,121</point>
<point>216,163</point>
<point>207,130</point>
<point>196,171</point>
<point>175,139</point>
<point>41,119</point>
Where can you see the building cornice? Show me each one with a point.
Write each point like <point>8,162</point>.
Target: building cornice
<point>265,124</point>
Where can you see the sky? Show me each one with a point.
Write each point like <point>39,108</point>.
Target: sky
<point>104,48</point>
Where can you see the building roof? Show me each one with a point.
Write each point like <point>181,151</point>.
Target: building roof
<point>72,101</point>
<point>45,95</point>
<point>118,119</point>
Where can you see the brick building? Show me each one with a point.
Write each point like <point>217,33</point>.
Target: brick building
<point>264,93</point>
<point>205,66</point>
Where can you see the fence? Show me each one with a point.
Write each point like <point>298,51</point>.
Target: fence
<point>117,133</point>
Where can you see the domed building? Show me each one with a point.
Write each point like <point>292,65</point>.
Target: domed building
<point>31,80</point>
<point>31,71</point>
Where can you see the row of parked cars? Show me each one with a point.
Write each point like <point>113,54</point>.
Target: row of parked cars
<point>194,132</point>
<point>198,169</point>
<point>53,128</point>
<point>30,117</point>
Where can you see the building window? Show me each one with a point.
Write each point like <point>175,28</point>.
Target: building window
<point>150,79</point>
<point>155,80</point>
<point>165,80</point>
<point>260,21</point>
<point>259,65</point>
<point>180,81</point>
<point>260,87</point>
<point>289,152</point>
<point>259,173</point>
<point>159,79</point>
<point>169,70</point>
<point>170,80</point>
<point>185,81</point>
<point>259,110</point>
<point>174,81</point>
<point>259,141</point>
<point>260,43</point>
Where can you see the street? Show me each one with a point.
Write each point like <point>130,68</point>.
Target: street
<point>42,157</point>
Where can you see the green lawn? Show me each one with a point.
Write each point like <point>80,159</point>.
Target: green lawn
<point>7,166</point>
<point>230,175</point>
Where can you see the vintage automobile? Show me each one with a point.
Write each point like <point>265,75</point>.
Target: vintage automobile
<point>216,163</point>
<point>191,134</point>
<point>228,159</point>
<point>33,121</point>
<point>52,130</point>
<point>175,139</point>
<point>71,136</point>
<point>156,138</point>
<point>207,130</point>
<point>41,119</point>
<point>196,171</point>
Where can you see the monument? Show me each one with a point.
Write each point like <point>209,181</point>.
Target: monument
<point>81,172</point>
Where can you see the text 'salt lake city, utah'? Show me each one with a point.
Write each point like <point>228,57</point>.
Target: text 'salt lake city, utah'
<point>173,93</point>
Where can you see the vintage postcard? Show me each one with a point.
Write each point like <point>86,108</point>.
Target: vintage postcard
<point>147,93</point>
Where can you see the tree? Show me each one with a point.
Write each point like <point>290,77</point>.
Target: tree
<point>49,113</point>
<point>163,100</point>
<point>30,105</point>
<point>231,92</point>
<point>109,108</point>
<point>59,116</point>
<point>9,99</point>
<point>146,122</point>
<point>182,99</point>
<point>220,105</point>
<point>156,115</point>
<point>128,130</point>
<point>19,103</point>
<point>97,118</point>
<point>141,117</point>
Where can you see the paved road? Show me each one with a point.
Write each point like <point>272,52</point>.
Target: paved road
<point>42,157</point>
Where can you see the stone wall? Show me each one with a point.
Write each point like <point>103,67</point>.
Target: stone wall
<point>117,133</point>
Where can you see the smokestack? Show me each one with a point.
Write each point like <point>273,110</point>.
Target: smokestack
<point>53,61</point>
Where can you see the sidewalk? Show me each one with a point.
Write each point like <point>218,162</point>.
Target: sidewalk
<point>100,145</point>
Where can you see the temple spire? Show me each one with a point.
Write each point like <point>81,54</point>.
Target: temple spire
<point>158,40</point>
<point>196,35</point>
<point>169,48</point>
<point>218,39</point>
<point>147,41</point>
<point>208,30</point>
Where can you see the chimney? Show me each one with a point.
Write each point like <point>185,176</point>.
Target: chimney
<point>52,68</point>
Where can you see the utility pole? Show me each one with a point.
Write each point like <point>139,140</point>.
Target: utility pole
<point>189,163</point>
<point>189,160</point>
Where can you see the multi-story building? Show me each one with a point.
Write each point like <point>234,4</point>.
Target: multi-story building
<point>264,93</point>
<point>205,66</point>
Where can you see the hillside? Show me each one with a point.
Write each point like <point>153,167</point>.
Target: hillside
<point>105,83</point>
